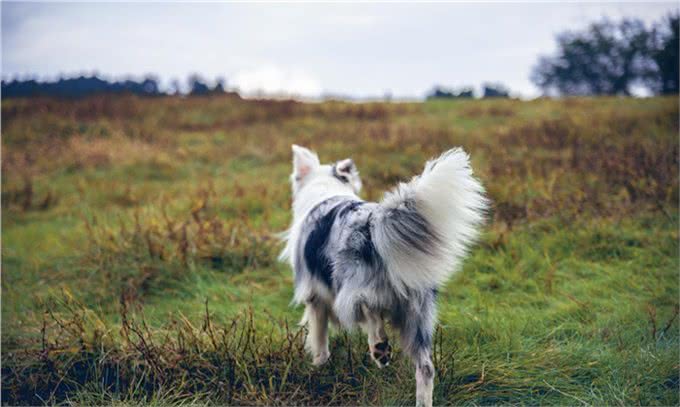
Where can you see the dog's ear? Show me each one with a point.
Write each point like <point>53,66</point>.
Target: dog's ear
<point>304,161</point>
<point>347,172</point>
<point>346,167</point>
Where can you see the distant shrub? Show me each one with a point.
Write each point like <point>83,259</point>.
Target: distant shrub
<point>443,93</point>
<point>199,87</point>
<point>495,90</point>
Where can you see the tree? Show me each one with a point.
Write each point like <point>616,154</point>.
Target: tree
<point>443,93</point>
<point>197,86</point>
<point>175,87</point>
<point>664,44</point>
<point>150,86</point>
<point>606,58</point>
<point>219,86</point>
<point>495,90</point>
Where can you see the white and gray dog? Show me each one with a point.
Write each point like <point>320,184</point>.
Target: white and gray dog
<point>360,263</point>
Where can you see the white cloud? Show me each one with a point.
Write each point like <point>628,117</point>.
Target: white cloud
<point>274,80</point>
<point>354,20</point>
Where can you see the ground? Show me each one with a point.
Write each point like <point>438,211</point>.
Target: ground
<point>139,245</point>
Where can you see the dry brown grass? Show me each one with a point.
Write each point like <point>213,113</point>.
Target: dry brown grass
<point>115,208</point>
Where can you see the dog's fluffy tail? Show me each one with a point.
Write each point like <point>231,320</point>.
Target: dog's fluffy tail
<point>423,228</point>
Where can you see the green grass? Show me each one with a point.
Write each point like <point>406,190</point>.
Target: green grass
<point>139,251</point>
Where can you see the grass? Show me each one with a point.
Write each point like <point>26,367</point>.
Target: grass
<point>139,251</point>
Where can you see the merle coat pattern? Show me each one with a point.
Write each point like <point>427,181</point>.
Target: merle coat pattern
<point>360,263</point>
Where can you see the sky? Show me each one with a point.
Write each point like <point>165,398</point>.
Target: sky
<point>356,50</point>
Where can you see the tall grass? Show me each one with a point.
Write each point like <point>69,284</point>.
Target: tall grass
<point>139,251</point>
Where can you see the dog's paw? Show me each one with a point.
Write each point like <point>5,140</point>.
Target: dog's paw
<point>321,358</point>
<point>381,353</point>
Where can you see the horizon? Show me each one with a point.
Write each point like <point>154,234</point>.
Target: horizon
<point>304,51</point>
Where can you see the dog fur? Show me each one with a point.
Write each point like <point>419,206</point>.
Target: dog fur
<point>361,263</point>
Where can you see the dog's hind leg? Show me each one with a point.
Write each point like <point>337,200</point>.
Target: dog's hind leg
<point>378,344</point>
<point>416,326</point>
<point>316,316</point>
<point>424,379</point>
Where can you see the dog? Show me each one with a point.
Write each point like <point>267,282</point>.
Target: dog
<point>359,263</point>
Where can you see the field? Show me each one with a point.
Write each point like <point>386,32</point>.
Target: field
<point>139,245</point>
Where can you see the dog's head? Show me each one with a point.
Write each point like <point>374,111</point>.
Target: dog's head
<point>308,170</point>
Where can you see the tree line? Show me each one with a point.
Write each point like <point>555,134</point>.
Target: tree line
<point>93,85</point>
<point>489,90</point>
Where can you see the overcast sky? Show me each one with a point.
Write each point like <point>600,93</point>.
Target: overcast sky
<point>358,50</point>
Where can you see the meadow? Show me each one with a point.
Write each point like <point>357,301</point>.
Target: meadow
<point>139,245</point>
